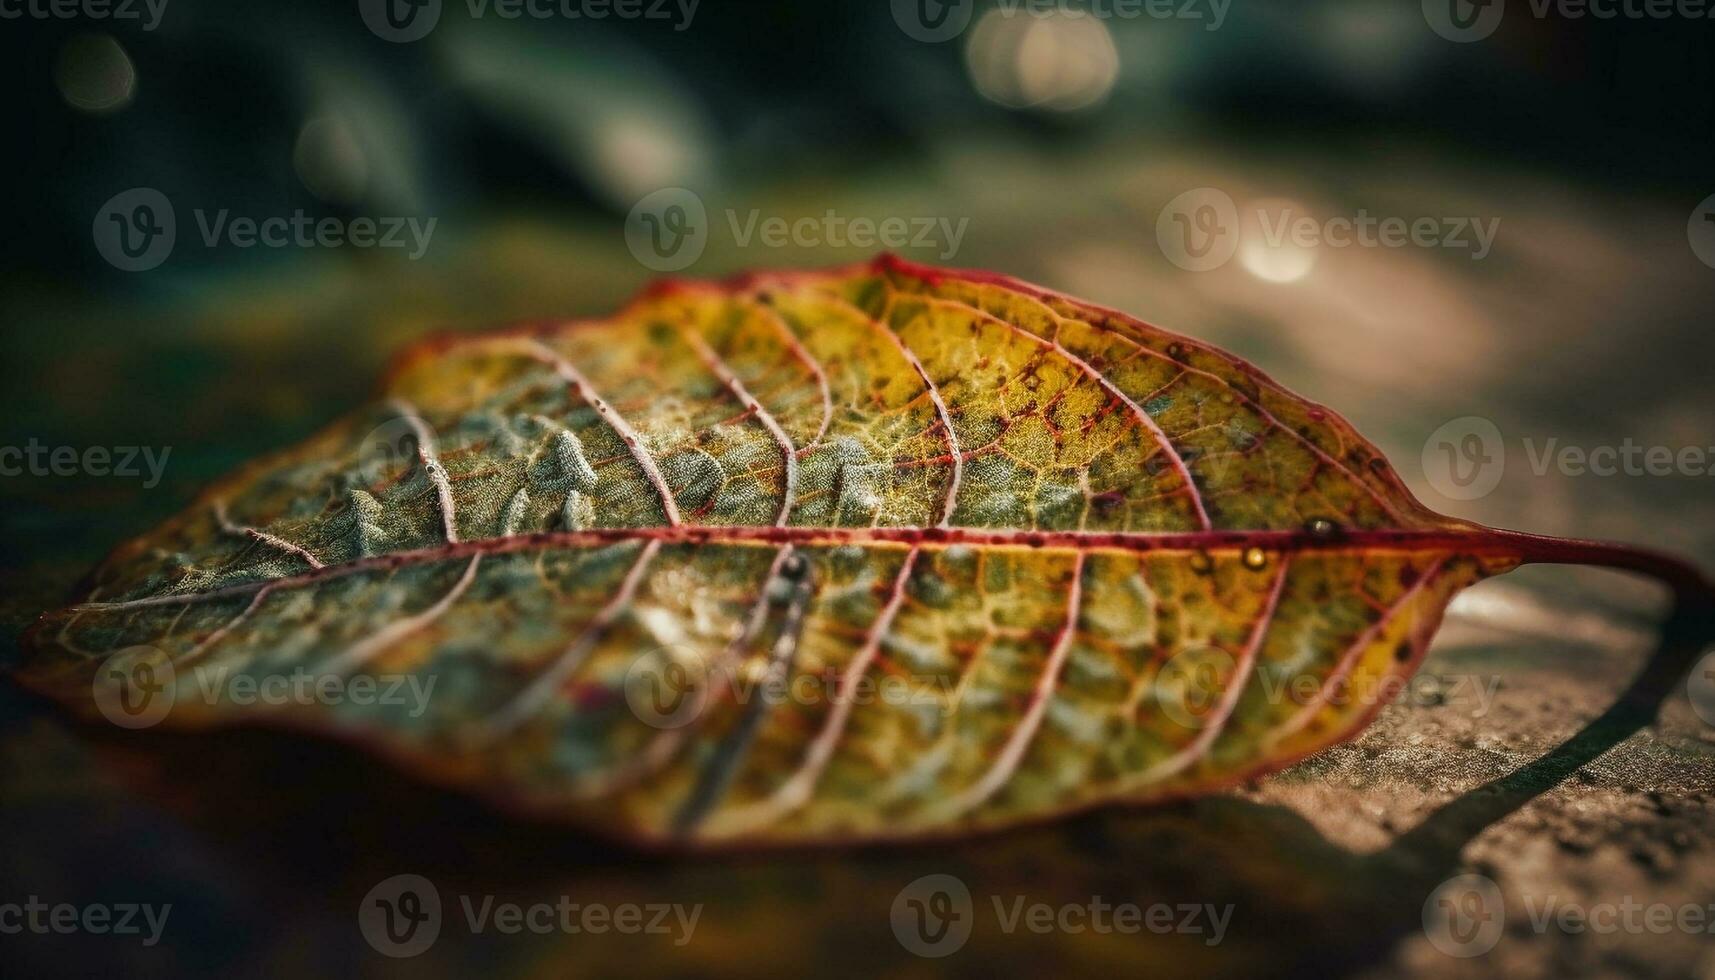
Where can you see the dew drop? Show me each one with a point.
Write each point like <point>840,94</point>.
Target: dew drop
<point>1201,563</point>
<point>1255,558</point>
<point>1322,528</point>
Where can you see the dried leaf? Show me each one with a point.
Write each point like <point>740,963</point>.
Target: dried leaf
<point>881,552</point>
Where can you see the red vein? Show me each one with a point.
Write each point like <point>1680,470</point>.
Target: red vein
<point>944,417</point>
<point>256,534</point>
<point>1476,542</point>
<point>1109,388</point>
<point>208,643</point>
<point>1223,713</point>
<point>542,689</point>
<point>663,747</point>
<point>715,778</point>
<point>586,392</point>
<point>714,363</point>
<point>428,455</point>
<point>1349,659</point>
<point>1006,764</point>
<point>370,647</point>
<point>796,790</point>
<point>1267,416</point>
<point>804,357</point>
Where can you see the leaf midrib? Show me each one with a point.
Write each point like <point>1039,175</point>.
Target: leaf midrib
<point>1475,542</point>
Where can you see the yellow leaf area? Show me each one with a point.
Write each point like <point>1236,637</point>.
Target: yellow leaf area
<point>874,553</point>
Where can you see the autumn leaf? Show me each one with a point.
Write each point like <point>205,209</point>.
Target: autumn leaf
<point>882,552</point>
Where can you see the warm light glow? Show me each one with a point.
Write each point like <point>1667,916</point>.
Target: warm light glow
<point>632,155</point>
<point>1267,248</point>
<point>1057,61</point>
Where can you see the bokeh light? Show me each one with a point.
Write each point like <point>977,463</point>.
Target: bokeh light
<point>1268,248</point>
<point>95,74</point>
<point>1061,62</point>
<point>330,160</point>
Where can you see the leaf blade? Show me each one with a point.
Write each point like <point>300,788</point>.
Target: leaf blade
<point>944,453</point>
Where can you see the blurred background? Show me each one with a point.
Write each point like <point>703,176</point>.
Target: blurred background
<point>556,155</point>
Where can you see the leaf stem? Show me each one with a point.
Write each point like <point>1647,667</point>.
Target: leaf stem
<point>1687,581</point>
